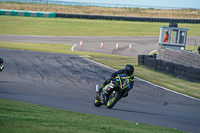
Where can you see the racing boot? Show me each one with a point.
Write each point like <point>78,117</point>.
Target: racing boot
<point>125,94</point>
<point>102,95</point>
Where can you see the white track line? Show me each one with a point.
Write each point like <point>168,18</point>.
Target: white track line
<point>72,49</point>
<point>152,52</point>
<point>144,80</point>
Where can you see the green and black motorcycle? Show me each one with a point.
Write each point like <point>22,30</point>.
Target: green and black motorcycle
<point>116,92</point>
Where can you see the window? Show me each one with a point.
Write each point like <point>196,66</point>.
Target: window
<point>174,36</point>
<point>181,38</point>
<point>166,36</point>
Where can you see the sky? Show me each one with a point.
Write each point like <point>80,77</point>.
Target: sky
<point>151,3</point>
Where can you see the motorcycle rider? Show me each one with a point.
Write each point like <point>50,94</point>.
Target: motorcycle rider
<point>1,64</point>
<point>128,70</point>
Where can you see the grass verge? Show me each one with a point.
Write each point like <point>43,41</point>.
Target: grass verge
<point>170,82</point>
<point>15,25</point>
<point>25,117</point>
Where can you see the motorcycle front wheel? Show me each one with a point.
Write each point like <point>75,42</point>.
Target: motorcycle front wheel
<point>97,102</point>
<point>114,97</point>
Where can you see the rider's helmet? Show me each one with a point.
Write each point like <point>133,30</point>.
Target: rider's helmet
<point>129,69</point>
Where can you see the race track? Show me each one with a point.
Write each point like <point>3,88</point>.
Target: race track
<point>68,82</point>
<point>141,45</point>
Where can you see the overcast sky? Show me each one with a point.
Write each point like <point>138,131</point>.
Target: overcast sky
<point>153,3</point>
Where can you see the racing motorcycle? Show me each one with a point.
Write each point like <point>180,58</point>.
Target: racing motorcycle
<point>116,88</point>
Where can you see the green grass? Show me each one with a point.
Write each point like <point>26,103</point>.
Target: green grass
<point>15,25</point>
<point>22,117</point>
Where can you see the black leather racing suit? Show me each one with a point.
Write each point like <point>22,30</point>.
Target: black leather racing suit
<point>113,76</point>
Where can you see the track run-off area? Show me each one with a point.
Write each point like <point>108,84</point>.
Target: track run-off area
<point>68,82</point>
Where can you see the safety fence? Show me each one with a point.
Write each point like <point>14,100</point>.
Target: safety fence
<point>124,18</point>
<point>27,13</point>
<point>180,71</point>
<point>83,16</point>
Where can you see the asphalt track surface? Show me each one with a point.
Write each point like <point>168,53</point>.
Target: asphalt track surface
<point>68,82</point>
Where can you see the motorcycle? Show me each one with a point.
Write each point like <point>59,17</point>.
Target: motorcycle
<point>117,89</point>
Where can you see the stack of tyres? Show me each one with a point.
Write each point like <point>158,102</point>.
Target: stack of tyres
<point>146,59</point>
<point>160,67</point>
<point>147,62</point>
<point>180,71</point>
<point>183,73</point>
<point>169,68</point>
<point>192,74</point>
<point>61,15</point>
<point>151,63</point>
<point>140,60</point>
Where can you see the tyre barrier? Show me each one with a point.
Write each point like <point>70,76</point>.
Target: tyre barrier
<point>86,16</point>
<point>125,18</point>
<point>27,13</point>
<point>176,70</point>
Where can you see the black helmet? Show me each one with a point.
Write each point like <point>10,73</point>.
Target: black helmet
<point>129,69</point>
<point>1,60</point>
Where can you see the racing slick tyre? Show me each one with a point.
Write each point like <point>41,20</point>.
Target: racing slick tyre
<point>114,97</point>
